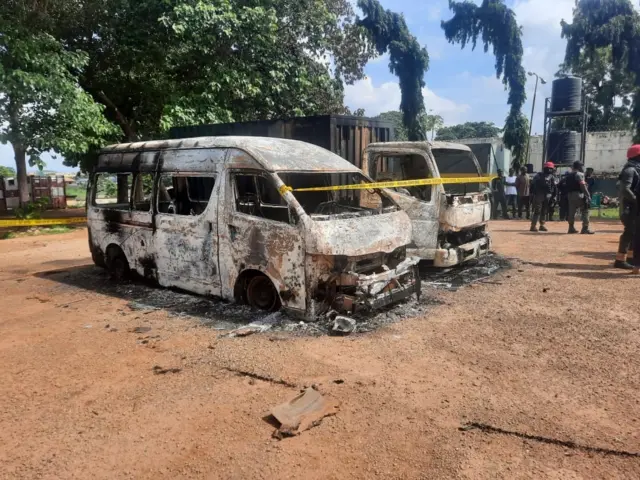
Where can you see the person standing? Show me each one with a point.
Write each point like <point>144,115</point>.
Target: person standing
<point>543,191</point>
<point>512,191</point>
<point>579,198</point>
<point>629,182</point>
<point>563,197</point>
<point>523,186</point>
<point>498,190</point>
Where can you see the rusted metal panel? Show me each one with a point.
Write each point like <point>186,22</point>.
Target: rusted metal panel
<point>340,134</point>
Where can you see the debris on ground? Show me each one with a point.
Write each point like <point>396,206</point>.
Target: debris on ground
<point>141,330</point>
<point>241,320</point>
<point>343,325</point>
<point>258,326</point>
<point>303,412</point>
<point>158,370</point>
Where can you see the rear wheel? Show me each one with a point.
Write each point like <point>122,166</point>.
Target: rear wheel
<point>261,294</point>
<point>117,264</point>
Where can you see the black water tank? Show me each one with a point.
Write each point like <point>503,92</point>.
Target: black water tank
<point>529,168</point>
<point>562,147</point>
<point>566,94</point>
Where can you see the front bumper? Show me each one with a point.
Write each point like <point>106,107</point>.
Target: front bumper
<point>449,257</point>
<point>378,290</point>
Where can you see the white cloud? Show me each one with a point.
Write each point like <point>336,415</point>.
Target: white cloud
<point>385,97</point>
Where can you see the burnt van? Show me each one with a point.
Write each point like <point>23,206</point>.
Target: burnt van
<point>217,216</point>
<point>449,221</point>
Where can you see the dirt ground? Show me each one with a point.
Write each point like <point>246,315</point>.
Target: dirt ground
<point>547,352</point>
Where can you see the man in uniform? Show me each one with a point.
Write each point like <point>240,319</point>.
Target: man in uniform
<point>563,197</point>
<point>543,191</point>
<point>629,181</point>
<point>579,198</point>
<point>523,185</point>
<point>499,197</point>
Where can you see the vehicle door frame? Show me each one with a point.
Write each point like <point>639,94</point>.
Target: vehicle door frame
<point>200,274</point>
<point>252,243</point>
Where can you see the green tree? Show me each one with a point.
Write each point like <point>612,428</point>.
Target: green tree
<point>609,90</point>
<point>603,46</point>
<point>496,24</point>
<point>468,130</point>
<point>388,32</point>
<point>7,172</point>
<point>155,64</point>
<point>42,106</point>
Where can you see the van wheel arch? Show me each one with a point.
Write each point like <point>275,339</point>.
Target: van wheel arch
<point>256,289</point>
<point>117,263</point>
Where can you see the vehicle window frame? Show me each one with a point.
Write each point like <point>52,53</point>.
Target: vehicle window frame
<point>258,173</point>
<point>430,163</point>
<point>94,193</point>
<point>158,184</point>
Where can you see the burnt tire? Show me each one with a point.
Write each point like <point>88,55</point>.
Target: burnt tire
<point>117,264</point>
<point>261,294</point>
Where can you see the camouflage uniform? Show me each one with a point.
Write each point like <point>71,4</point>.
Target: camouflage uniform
<point>577,200</point>
<point>543,191</point>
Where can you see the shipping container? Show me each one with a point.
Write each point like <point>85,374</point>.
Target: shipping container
<point>345,135</point>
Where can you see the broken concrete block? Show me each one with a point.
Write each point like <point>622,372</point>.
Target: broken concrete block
<point>303,412</point>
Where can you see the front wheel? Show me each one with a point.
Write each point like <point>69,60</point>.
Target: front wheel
<point>261,294</point>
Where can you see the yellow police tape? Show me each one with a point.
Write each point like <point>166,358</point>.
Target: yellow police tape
<point>390,184</point>
<point>40,222</point>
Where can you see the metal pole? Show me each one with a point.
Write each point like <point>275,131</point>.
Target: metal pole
<point>533,109</point>
<point>585,121</point>
<point>547,121</point>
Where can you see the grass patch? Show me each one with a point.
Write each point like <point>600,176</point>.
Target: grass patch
<point>609,213</point>
<point>35,231</point>
<point>79,192</point>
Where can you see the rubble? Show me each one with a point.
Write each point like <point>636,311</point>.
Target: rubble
<point>343,325</point>
<point>239,320</point>
<point>303,412</point>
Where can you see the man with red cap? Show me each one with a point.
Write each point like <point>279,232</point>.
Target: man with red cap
<point>629,181</point>
<point>543,190</point>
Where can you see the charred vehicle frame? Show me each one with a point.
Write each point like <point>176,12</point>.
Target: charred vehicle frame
<point>210,215</point>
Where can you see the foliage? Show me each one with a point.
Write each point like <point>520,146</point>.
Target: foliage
<point>468,130</point>
<point>388,31</point>
<point>496,24</point>
<point>609,90</point>
<point>32,209</point>
<point>605,37</point>
<point>430,122</point>
<point>155,64</point>
<point>7,172</point>
<point>42,106</point>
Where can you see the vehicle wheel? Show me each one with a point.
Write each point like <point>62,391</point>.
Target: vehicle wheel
<point>117,264</point>
<point>261,294</point>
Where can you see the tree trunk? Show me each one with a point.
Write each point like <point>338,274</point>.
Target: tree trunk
<point>21,173</point>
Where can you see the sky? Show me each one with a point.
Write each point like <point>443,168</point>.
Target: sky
<point>461,84</point>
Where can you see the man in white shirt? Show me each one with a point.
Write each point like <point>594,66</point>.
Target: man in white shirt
<point>511,191</point>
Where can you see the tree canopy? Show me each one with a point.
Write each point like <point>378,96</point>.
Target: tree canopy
<point>604,39</point>
<point>42,106</point>
<point>7,172</point>
<point>495,24</point>
<point>468,130</point>
<point>388,32</point>
<point>609,90</point>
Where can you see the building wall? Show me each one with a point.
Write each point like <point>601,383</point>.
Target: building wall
<point>606,152</point>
